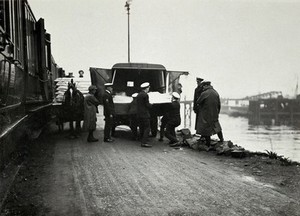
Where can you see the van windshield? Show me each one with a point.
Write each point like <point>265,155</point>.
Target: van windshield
<point>129,80</point>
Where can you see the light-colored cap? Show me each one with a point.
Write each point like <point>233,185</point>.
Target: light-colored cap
<point>108,84</point>
<point>176,95</point>
<point>145,85</point>
<point>206,82</point>
<point>199,79</point>
<point>134,95</point>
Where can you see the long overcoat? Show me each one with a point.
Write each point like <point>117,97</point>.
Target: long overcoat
<point>90,111</point>
<point>208,114</point>
<point>197,94</point>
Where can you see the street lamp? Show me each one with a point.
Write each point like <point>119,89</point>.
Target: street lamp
<point>127,5</point>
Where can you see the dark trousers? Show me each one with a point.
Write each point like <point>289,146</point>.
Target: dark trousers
<point>77,127</point>
<point>108,127</point>
<point>144,124</point>
<point>134,126</point>
<point>207,138</point>
<point>91,135</point>
<point>220,135</point>
<point>196,120</point>
<point>170,130</point>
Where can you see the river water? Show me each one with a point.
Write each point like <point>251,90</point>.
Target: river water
<point>284,140</point>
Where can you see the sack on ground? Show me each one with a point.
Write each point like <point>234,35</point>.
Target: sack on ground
<point>186,133</point>
<point>193,142</point>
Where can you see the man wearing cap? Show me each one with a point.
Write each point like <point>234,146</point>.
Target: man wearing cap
<point>108,111</point>
<point>90,110</point>
<point>197,94</point>
<point>143,113</point>
<point>208,118</point>
<point>174,120</point>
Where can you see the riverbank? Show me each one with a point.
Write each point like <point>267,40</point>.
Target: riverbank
<point>71,177</point>
<point>282,139</point>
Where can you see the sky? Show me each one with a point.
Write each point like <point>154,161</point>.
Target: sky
<point>243,47</point>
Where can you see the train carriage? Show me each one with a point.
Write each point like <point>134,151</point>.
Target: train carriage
<point>27,70</point>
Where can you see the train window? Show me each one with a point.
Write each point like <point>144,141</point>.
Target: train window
<point>47,59</point>
<point>31,42</point>
<point>17,31</point>
<point>48,50</point>
<point>4,82</point>
<point>5,16</point>
<point>2,16</point>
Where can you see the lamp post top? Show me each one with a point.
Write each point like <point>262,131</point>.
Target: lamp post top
<point>127,5</point>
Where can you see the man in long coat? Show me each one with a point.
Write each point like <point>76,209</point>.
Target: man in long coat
<point>108,112</point>
<point>90,111</point>
<point>208,114</point>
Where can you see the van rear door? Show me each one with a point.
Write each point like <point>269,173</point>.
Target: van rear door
<point>174,79</point>
<point>100,76</point>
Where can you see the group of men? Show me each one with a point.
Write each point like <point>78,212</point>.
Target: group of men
<point>143,116</point>
<point>207,107</point>
<point>139,111</point>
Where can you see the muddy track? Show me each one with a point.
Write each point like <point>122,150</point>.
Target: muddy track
<point>121,178</point>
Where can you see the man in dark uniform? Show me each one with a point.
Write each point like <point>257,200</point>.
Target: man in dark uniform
<point>208,118</point>
<point>197,94</point>
<point>174,120</point>
<point>143,113</point>
<point>164,120</point>
<point>108,111</point>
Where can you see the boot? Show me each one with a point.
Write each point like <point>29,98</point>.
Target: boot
<point>207,140</point>
<point>220,135</point>
<point>91,137</point>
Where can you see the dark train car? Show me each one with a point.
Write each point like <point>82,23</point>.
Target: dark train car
<point>27,71</point>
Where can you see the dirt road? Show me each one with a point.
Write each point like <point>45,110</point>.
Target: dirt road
<point>72,177</point>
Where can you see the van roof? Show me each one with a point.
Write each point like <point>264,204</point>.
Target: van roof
<point>138,66</point>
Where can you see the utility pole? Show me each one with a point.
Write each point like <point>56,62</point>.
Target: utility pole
<point>127,5</point>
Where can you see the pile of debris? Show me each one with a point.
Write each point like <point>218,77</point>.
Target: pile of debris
<point>226,148</point>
